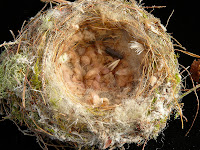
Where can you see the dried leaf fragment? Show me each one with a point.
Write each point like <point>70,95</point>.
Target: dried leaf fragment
<point>195,70</point>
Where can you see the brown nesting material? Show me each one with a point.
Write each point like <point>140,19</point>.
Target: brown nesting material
<point>93,73</point>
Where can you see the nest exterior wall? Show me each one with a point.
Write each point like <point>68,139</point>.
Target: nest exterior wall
<point>34,81</point>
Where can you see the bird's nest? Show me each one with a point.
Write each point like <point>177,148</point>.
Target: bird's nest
<point>92,73</point>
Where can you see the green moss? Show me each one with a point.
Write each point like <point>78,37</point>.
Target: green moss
<point>154,100</point>
<point>50,130</point>
<point>12,71</point>
<point>164,120</point>
<point>96,111</point>
<point>177,77</point>
<point>148,112</point>
<point>82,127</point>
<point>145,16</point>
<point>16,114</point>
<point>177,55</point>
<point>176,115</point>
<point>36,82</point>
<point>157,127</point>
<point>53,102</point>
<point>152,106</point>
<point>36,115</point>
<point>157,91</point>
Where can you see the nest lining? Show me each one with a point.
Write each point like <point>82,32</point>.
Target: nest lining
<point>100,67</point>
<point>94,76</point>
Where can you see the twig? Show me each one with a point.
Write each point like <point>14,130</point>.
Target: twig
<point>24,88</point>
<point>188,92</point>
<point>12,34</point>
<point>154,7</point>
<point>188,53</point>
<point>178,45</point>
<point>144,144</point>
<point>184,70</point>
<point>9,43</point>
<point>169,18</point>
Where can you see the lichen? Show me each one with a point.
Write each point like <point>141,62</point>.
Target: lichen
<point>12,73</point>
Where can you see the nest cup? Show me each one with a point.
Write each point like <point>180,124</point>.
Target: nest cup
<point>93,73</point>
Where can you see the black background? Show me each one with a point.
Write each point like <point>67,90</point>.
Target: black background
<point>183,25</point>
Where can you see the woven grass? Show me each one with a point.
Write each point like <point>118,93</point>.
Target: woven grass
<point>91,73</point>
